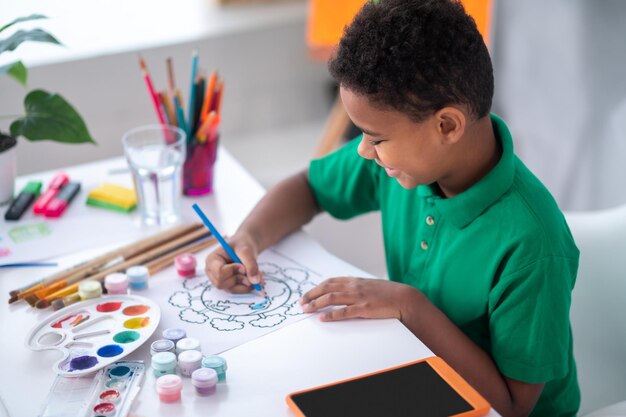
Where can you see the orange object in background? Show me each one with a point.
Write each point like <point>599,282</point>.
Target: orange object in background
<point>328,18</point>
<point>325,24</point>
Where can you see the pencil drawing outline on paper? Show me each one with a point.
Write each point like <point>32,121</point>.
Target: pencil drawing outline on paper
<point>200,302</point>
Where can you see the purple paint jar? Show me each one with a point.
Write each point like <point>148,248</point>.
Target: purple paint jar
<point>205,381</point>
<point>189,361</point>
<point>174,334</point>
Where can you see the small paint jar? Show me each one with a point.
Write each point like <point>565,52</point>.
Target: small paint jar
<point>164,363</point>
<point>205,380</point>
<point>109,396</point>
<point>188,343</point>
<point>185,265</point>
<point>169,388</point>
<point>174,334</point>
<point>138,277</point>
<point>162,345</point>
<point>104,409</point>
<point>116,283</point>
<point>189,361</point>
<point>89,289</point>
<point>217,363</point>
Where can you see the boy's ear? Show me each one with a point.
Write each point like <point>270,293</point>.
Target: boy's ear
<point>450,124</point>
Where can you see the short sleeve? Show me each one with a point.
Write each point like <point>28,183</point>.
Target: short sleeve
<point>529,320</point>
<point>345,184</point>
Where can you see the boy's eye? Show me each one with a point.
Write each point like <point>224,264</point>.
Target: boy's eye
<point>375,142</point>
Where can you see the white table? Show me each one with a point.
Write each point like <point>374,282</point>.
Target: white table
<point>260,373</point>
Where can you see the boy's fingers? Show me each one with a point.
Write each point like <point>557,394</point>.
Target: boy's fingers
<point>330,285</point>
<point>348,312</point>
<point>252,268</point>
<point>328,299</point>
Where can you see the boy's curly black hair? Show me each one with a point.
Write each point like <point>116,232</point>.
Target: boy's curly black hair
<point>416,57</point>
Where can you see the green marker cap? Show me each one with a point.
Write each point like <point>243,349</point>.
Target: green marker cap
<point>33,187</point>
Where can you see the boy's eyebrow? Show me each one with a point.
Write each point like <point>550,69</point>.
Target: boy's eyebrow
<point>367,132</point>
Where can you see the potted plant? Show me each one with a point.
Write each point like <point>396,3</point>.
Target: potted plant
<point>48,116</point>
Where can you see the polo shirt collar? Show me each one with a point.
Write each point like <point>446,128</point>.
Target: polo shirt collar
<point>463,208</point>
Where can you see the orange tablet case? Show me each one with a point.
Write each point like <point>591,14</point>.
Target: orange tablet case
<point>479,405</point>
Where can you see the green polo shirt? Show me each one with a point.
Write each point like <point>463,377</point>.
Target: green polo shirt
<point>498,259</point>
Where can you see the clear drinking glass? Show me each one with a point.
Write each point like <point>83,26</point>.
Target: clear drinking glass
<point>155,155</point>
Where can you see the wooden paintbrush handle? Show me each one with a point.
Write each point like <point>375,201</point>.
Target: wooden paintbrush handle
<point>89,267</point>
<point>115,257</point>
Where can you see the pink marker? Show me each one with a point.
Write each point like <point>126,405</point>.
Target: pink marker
<point>53,189</point>
<point>185,265</point>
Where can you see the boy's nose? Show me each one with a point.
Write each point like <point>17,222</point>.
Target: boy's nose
<point>365,149</point>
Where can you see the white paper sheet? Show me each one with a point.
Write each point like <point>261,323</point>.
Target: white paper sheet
<point>221,320</point>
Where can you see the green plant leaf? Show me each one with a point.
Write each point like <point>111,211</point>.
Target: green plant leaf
<point>33,35</point>
<point>49,116</point>
<point>16,70</point>
<point>23,19</point>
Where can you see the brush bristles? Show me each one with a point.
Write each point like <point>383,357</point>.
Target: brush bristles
<point>13,299</point>
<point>41,304</point>
<point>31,299</point>
<point>14,293</point>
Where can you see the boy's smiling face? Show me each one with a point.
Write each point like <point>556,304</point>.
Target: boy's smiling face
<point>411,152</point>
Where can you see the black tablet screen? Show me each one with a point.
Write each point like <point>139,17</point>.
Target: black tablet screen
<point>414,390</point>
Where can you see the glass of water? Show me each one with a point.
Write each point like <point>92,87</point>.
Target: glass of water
<point>155,155</point>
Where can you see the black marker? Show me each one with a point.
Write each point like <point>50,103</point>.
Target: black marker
<point>24,199</point>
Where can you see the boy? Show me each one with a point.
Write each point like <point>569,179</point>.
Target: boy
<point>480,259</point>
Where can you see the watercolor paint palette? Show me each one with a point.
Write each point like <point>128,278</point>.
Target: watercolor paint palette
<point>95,333</point>
<point>109,393</point>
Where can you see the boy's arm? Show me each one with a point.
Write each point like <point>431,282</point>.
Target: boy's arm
<point>284,209</point>
<point>509,397</point>
<point>374,298</point>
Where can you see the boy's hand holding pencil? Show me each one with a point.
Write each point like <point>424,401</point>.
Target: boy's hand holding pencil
<point>233,267</point>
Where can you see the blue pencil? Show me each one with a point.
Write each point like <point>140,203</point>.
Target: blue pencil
<point>220,239</point>
<point>192,93</point>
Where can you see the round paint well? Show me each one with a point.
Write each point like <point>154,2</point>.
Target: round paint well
<point>109,396</point>
<point>128,336</point>
<point>120,372</point>
<point>83,362</point>
<point>109,351</point>
<point>104,409</point>
<point>137,323</point>
<point>50,339</point>
<point>117,384</point>
<point>135,310</point>
<point>108,307</point>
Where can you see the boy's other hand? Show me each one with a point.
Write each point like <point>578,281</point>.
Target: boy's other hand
<point>235,277</point>
<point>361,298</point>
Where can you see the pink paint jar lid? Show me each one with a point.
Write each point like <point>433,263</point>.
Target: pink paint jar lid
<point>204,378</point>
<point>185,265</point>
<point>169,384</point>
<point>116,283</point>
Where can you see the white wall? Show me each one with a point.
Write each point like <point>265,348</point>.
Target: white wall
<point>269,82</point>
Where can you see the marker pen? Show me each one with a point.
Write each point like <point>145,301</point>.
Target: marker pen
<point>53,189</point>
<point>24,199</point>
<point>58,204</point>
